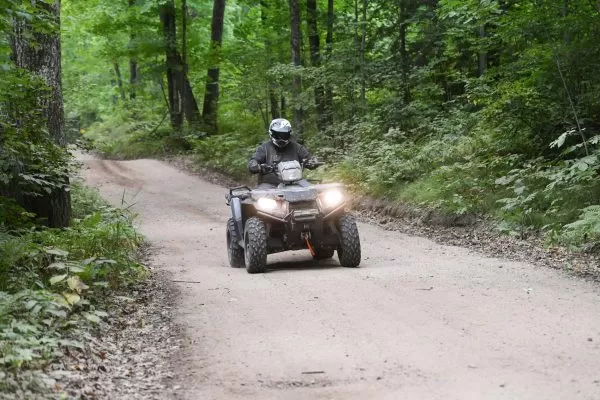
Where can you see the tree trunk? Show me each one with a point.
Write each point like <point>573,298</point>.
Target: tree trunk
<point>210,108</point>
<point>190,105</point>
<point>114,98</point>
<point>328,103</point>
<point>44,60</point>
<point>119,81</point>
<point>174,67</point>
<point>363,73</point>
<point>564,12</point>
<point>483,56</point>
<point>351,89</point>
<point>275,112</point>
<point>404,61</point>
<point>184,66</point>
<point>133,69</point>
<point>315,59</point>
<point>296,46</point>
<point>274,105</point>
<point>133,77</point>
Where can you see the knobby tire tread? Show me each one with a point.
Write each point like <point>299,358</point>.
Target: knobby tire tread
<point>349,248</point>
<point>323,254</point>
<point>255,234</point>
<point>235,251</point>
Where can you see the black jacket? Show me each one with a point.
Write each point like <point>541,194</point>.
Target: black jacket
<point>268,153</point>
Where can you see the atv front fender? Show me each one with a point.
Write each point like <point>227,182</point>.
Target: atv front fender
<point>236,214</point>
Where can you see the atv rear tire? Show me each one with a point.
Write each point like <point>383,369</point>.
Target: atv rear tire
<point>349,247</point>
<point>255,239</point>
<point>235,252</point>
<point>323,254</point>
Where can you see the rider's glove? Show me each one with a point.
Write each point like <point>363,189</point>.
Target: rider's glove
<point>310,163</point>
<point>254,167</point>
<point>266,169</point>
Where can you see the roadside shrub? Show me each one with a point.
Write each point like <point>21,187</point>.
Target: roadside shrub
<point>30,325</point>
<point>13,216</point>
<point>53,281</point>
<point>85,201</point>
<point>228,153</point>
<point>586,229</point>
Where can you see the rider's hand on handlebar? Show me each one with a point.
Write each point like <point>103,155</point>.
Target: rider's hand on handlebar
<point>312,163</point>
<point>254,167</point>
<point>266,169</point>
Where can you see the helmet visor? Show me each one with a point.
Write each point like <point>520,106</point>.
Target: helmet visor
<point>280,135</point>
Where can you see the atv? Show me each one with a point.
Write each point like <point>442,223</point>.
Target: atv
<point>294,215</point>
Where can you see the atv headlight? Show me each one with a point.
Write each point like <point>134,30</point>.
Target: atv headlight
<point>266,204</point>
<point>333,198</point>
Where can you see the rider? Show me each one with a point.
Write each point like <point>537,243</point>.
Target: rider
<point>279,148</point>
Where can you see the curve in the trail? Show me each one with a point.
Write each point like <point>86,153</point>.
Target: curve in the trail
<point>417,320</point>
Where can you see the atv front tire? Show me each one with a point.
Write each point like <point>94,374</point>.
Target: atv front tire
<point>323,254</point>
<point>235,252</point>
<point>255,238</point>
<point>349,247</point>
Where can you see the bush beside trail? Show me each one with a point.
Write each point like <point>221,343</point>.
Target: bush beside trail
<point>56,286</point>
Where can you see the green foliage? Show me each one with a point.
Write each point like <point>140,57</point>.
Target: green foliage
<point>13,216</point>
<point>586,229</point>
<point>463,106</point>
<point>30,325</point>
<point>30,161</point>
<point>100,246</point>
<point>230,152</point>
<point>52,281</point>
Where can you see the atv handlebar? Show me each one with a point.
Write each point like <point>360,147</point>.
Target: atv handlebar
<point>267,169</point>
<point>270,168</point>
<point>312,163</point>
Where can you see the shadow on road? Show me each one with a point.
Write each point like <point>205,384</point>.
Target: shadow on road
<point>301,265</point>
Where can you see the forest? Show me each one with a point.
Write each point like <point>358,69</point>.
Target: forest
<point>464,107</point>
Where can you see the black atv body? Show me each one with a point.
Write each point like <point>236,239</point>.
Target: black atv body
<point>293,216</point>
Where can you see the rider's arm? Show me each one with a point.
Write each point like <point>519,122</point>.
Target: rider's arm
<point>304,155</point>
<point>259,157</point>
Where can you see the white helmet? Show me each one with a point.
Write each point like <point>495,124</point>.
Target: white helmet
<point>280,131</point>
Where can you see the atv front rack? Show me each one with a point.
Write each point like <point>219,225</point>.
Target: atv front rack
<point>245,193</point>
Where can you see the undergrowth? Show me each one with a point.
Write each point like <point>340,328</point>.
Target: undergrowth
<point>53,283</point>
<point>122,136</point>
<point>456,173</point>
<point>454,165</point>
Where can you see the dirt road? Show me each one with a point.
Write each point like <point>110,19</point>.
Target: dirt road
<point>417,321</point>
